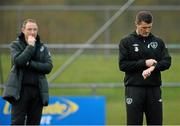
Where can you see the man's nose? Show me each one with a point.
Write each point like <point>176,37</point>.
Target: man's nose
<point>33,32</point>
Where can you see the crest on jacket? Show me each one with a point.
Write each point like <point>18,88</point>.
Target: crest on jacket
<point>42,48</point>
<point>153,45</point>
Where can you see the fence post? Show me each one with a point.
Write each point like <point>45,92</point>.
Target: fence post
<point>1,71</point>
<point>93,87</point>
<point>1,75</point>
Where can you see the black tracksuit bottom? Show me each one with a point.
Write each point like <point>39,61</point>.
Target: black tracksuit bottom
<point>143,100</point>
<point>27,110</point>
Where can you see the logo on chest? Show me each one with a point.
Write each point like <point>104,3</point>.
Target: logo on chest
<point>42,49</point>
<point>153,45</point>
<point>136,47</point>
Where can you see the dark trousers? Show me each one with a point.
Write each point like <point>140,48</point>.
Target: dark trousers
<point>143,100</point>
<point>28,110</point>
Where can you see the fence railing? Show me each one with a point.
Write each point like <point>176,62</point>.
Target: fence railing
<point>95,86</point>
<point>86,7</point>
<point>87,46</point>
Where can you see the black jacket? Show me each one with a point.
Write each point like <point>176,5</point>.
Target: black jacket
<point>35,59</point>
<point>134,50</point>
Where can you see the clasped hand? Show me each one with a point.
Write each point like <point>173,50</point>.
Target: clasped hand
<point>149,63</point>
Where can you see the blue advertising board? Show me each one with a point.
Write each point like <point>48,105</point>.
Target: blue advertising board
<point>66,110</point>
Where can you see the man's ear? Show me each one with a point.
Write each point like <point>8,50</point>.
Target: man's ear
<point>137,23</point>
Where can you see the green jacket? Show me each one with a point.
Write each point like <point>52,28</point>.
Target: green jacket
<point>21,57</point>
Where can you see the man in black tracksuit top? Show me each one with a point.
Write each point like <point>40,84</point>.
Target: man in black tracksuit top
<point>142,56</point>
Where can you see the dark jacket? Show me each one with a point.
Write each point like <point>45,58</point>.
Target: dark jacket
<point>36,59</point>
<point>11,92</point>
<point>134,50</point>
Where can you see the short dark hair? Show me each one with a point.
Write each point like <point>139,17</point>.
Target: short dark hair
<point>145,16</point>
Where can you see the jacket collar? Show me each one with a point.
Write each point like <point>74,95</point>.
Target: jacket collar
<point>141,37</point>
<point>21,37</point>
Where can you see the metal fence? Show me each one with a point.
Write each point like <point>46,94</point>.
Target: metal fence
<point>107,10</point>
<point>94,86</point>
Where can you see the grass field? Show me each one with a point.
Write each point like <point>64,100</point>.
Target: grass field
<point>101,69</point>
<point>95,68</point>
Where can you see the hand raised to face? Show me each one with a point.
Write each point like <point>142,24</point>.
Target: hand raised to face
<point>31,40</point>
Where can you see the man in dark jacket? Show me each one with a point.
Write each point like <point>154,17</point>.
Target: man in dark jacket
<point>142,56</point>
<point>32,57</point>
